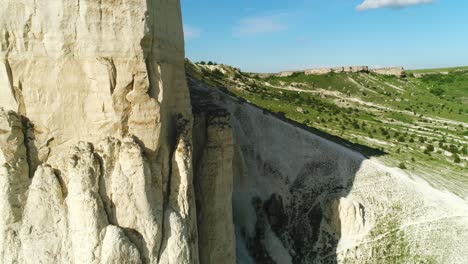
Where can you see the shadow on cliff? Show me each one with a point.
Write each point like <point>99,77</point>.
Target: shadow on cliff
<point>293,180</point>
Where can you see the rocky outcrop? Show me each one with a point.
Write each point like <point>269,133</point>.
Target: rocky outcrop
<point>214,185</point>
<point>319,71</point>
<point>14,182</point>
<point>96,137</point>
<point>86,70</point>
<point>395,71</point>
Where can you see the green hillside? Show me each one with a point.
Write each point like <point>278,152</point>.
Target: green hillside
<point>421,122</point>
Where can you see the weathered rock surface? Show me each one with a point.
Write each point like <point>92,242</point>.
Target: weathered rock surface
<point>395,71</point>
<point>213,162</point>
<point>14,182</point>
<point>96,135</point>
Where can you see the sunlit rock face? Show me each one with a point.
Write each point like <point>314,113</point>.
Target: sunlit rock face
<point>95,134</point>
<point>91,69</point>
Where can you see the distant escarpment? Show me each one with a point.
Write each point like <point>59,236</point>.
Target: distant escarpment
<point>393,71</point>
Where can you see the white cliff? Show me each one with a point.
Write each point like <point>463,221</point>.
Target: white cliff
<point>95,134</point>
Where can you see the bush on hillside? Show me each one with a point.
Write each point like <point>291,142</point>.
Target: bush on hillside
<point>430,148</point>
<point>437,91</point>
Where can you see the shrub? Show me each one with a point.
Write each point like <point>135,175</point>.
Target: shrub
<point>356,125</point>
<point>430,148</point>
<point>281,114</point>
<point>453,149</point>
<point>383,131</point>
<point>456,158</point>
<point>464,150</point>
<point>402,166</point>
<point>437,91</point>
<point>217,73</point>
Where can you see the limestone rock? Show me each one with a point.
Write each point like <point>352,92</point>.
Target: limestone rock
<point>14,181</point>
<point>44,230</point>
<point>181,243</point>
<point>130,194</point>
<point>86,215</point>
<point>214,186</point>
<point>85,74</point>
<point>117,248</point>
<point>395,71</point>
<point>86,70</point>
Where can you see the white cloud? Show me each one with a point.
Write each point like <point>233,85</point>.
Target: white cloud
<point>374,4</point>
<point>260,24</point>
<point>191,32</point>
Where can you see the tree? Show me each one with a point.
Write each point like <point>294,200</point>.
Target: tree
<point>210,63</point>
<point>202,63</point>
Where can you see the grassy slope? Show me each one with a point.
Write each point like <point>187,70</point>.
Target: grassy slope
<point>438,70</point>
<point>403,117</point>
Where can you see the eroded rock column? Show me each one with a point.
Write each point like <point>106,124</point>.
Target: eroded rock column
<point>214,184</point>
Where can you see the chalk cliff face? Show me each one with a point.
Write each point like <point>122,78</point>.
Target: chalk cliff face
<point>95,135</point>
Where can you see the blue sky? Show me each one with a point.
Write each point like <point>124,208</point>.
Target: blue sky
<point>275,35</point>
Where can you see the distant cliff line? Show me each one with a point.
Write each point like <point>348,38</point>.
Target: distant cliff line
<point>395,71</point>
